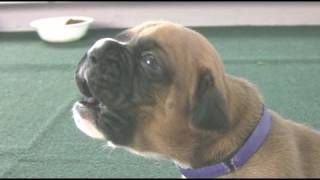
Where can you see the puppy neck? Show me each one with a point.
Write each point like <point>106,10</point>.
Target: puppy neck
<point>244,102</point>
<point>244,105</point>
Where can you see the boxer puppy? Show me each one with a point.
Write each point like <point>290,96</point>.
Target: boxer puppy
<point>160,90</point>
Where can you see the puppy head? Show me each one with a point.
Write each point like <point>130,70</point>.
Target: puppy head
<point>158,87</point>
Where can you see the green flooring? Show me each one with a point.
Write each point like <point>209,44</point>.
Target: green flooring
<point>40,140</point>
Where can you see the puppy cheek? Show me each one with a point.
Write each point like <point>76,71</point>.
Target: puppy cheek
<point>86,125</point>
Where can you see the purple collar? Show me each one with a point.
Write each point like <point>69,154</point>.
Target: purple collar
<point>251,145</point>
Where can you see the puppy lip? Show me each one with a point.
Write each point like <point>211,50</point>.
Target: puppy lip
<point>85,121</point>
<point>89,101</point>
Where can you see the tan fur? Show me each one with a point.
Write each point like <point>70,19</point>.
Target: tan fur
<point>290,150</point>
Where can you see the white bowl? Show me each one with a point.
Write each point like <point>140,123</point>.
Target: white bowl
<point>55,29</point>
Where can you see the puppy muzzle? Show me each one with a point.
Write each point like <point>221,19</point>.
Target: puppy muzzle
<point>105,72</point>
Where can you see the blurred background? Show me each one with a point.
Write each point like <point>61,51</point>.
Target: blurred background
<point>275,45</point>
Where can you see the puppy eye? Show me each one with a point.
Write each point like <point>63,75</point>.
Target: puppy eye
<point>149,61</point>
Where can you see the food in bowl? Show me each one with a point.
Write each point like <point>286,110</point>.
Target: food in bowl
<point>73,21</point>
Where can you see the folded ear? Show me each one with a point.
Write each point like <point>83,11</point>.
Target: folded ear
<point>123,36</point>
<point>209,111</point>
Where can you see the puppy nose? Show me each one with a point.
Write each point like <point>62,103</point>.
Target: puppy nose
<point>102,47</point>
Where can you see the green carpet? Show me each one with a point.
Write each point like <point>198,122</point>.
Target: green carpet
<point>39,138</point>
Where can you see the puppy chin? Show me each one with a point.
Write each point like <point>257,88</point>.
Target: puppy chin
<point>149,155</point>
<point>85,122</point>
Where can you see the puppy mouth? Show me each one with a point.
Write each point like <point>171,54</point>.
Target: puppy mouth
<point>85,115</point>
<point>89,101</point>
<point>85,111</point>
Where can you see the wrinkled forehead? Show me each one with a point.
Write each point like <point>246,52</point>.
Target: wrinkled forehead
<point>161,32</point>
<point>160,35</point>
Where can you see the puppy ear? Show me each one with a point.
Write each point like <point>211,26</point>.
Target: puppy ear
<point>209,111</point>
<point>123,36</point>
